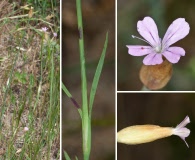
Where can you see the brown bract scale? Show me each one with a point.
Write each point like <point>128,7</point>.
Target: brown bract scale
<point>155,77</point>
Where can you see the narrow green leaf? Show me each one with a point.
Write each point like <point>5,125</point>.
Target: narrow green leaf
<point>76,158</point>
<point>71,98</point>
<point>66,90</point>
<point>66,156</point>
<point>97,76</point>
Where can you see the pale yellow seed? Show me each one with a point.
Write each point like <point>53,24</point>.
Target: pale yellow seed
<point>143,133</point>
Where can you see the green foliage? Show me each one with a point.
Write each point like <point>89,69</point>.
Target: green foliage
<point>30,90</point>
<point>43,5</point>
<point>21,77</point>
<point>97,76</point>
<point>66,156</point>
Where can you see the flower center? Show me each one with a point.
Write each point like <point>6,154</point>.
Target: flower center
<point>158,49</point>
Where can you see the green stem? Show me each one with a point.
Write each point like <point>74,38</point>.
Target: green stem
<point>86,128</point>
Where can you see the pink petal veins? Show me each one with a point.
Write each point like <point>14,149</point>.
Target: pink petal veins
<point>176,31</point>
<point>177,50</point>
<point>173,58</point>
<point>153,59</point>
<point>148,30</point>
<point>173,54</point>
<point>181,130</point>
<point>139,50</point>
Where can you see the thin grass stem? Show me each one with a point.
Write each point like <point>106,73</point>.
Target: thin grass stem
<point>86,129</point>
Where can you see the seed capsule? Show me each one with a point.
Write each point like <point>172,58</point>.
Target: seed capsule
<point>155,77</point>
<point>147,133</point>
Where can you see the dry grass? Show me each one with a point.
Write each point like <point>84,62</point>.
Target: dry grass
<point>29,85</point>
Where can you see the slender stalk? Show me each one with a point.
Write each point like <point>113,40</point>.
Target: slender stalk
<point>86,128</point>
<point>41,77</point>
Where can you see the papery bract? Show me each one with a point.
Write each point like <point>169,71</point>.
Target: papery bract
<point>159,48</point>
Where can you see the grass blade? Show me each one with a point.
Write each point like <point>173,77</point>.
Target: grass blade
<point>66,156</point>
<point>97,76</point>
<point>66,91</point>
<point>72,99</point>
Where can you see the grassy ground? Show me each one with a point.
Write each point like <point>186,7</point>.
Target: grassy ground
<point>29,80</point>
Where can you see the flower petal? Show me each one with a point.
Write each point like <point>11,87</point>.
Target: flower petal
<point>177,50</point>
<point>148,30</point>
<point>153,59</point>
<point>181,130</point>
<point>183,123</point>
<point>138,50</point>
<point>173,54</point>
<point>176,31</point>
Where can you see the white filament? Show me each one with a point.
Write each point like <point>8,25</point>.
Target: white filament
<point>142,40</point>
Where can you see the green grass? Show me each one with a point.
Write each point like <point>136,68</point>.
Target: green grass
<point>29,77</point>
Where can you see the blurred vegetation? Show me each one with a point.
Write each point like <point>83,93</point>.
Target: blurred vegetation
<point>163,13</point>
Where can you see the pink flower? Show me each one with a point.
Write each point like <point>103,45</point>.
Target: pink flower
<point>159,48</point>
<point>55,34</point>
<point>26,129</point>
<point>44,29</point>
<point>181,130</point>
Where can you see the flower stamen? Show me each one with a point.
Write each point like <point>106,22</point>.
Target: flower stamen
<point>142,40</point>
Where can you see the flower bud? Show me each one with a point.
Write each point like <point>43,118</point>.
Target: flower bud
<point>147,133</point>
<point>142,134</point>
<point>156,76</point>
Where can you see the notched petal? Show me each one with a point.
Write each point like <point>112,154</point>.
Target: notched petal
<point>148,30</point>
<point>176,31</point>
<point>173,58</point>
<point>173,54</point>
<point>177,50</point>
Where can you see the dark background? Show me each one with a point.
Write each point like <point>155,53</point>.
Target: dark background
<point>164,12</point>
<point>98,18</point>
<point>163,109</point>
